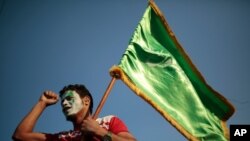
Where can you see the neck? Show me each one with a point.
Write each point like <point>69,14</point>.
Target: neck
<point>80,116</point>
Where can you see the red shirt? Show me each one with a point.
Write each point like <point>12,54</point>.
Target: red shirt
<point>110,123</point>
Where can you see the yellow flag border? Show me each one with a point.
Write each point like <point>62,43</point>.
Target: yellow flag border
<point>117,72</point>
<point>183,53</point>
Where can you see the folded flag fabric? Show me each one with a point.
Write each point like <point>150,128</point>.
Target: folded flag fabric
<point>158,70</point>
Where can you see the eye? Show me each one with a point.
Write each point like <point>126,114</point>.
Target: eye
<point>69,98</point>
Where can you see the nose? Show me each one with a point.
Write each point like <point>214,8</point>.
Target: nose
<point>65,102</point>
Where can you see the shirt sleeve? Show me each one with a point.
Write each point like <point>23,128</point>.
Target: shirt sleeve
<point>64,136</point>
<point>117,125</point>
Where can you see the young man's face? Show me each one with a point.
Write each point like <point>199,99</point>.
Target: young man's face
<point>71,103</point>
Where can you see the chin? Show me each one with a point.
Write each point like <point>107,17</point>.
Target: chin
<point>70,117</point>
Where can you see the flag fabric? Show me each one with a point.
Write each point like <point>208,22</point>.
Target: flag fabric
<point>158,70</point>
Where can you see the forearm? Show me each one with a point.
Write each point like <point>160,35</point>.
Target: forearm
<point>123,136</point>
<point>27,125</point>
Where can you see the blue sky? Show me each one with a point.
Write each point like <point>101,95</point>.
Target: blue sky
<point>46,44</point>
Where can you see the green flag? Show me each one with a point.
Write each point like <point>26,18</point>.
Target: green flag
<point>158,70</point>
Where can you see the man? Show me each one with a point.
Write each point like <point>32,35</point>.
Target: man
<point>77,105</point>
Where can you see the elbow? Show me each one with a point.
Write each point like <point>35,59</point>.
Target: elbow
<point>17,137</point>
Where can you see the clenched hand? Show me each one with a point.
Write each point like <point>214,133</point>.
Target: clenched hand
<point>49,98</point>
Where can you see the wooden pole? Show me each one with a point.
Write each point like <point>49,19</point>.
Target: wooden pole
<point>104,97</point>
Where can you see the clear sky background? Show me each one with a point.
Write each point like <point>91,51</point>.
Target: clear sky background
<point>47,44</point>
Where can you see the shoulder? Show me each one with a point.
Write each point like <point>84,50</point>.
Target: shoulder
<point>109,120</point>
<point>112,123</point>
<point>106,118</point>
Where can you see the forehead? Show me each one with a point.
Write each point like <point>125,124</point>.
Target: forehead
<point>69,93</point>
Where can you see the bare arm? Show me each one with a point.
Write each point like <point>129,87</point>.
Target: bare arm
<point>122,136</point>
<point>24,130</point>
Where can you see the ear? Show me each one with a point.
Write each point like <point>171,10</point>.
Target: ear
<point>86,100</point>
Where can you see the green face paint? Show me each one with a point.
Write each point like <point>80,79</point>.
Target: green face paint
<point>69,95</point>
<point>71,103</point>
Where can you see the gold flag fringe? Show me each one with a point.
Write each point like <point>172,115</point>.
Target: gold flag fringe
<point>117,72</point>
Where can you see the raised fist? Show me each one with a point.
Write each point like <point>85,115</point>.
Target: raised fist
<point>49,98</point>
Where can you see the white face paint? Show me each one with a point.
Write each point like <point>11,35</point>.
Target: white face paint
<point>71,103</point>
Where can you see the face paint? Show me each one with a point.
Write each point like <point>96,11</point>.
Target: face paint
<point>71,103</point>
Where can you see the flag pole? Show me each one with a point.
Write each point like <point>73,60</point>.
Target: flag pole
<point>104,97</point>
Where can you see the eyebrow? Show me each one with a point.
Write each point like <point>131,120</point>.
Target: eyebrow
<point>67,94</point>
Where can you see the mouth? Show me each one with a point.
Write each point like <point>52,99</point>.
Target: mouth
<point>65,109</point>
